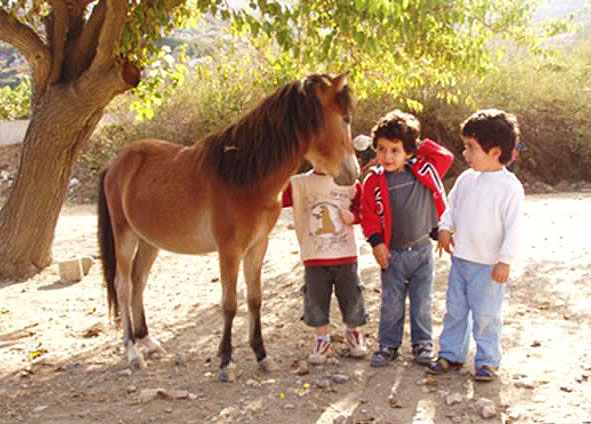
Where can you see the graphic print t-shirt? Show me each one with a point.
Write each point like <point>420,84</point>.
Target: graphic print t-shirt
<point>321,232</point>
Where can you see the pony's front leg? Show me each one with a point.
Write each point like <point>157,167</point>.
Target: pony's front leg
<point>253,264</point>
<point>229,265</point>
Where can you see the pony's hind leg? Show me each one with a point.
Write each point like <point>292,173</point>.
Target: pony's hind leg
<point>126,248</point>
<point>142,263</point>
<point>229,265</point>
<point>253,263</point>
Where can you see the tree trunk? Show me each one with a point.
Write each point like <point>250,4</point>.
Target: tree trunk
<point>59,127</point>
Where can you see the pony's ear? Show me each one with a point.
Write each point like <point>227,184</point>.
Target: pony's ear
<point>340,81</point>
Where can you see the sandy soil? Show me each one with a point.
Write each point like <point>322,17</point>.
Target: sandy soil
<point>61,361</point>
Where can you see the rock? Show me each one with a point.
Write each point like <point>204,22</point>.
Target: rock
<point>453,398</point>
<point>302,368</point>
<point>124,373</point>
<point>131,388</point>
<point>340,378</point>
<point>323,384</point>
<point>524,384</point>
<point>342,418</point>
<point>71,270</point>
<point>486,408</point>
<point>513,415</point>
<point>332,361</point>
<point>488,411</point>
<point>86,262</point>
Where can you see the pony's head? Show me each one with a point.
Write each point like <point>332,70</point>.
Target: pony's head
<point>331,149</point>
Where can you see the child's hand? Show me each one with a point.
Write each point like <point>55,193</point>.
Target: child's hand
<point>347,216</point>
<point>382,255</point>
<point>501,272</point>
<point>445,241</point>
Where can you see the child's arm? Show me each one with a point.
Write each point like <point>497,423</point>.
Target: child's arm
<point>445,241</point>
<point>511,230</point>
<point>371,224</point>
<point>286,197</point>
<point>353,215</point>
<point>500,272</point>
<point>437,155</point>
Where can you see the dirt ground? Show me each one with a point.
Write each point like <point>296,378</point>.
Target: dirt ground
<point>61,361</point>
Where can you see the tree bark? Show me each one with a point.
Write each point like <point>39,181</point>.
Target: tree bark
<point>59,127</point>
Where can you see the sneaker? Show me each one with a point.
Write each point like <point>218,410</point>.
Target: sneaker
<point>442,365</point>
<point>423,353</point>
<point>319,352</point>
<point>384,356</point>
<point>357,348</point>
<point>485,373</point>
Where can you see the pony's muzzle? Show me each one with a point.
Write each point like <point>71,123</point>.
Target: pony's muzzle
<point>349,171</point>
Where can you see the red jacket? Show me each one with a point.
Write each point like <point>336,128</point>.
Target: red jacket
<point>429,166</point>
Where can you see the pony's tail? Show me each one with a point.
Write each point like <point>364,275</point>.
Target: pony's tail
<point>107,248</point>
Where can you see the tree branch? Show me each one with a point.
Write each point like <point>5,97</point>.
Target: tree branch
<point>32,48</point>
<point>56,35</point>
<point>81,50</point>
<point>110,35</point>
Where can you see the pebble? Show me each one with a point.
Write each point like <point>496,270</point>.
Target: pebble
<point>453,398</point>
<point>524,384</point>
<point>340,378</point>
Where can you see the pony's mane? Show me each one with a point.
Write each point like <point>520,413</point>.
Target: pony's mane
<point>272,132</point>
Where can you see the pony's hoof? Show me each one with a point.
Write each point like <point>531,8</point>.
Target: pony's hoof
<point>267,364</point>
<point>228,374</point>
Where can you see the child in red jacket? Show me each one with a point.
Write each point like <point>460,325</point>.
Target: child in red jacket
<point>403,198</point>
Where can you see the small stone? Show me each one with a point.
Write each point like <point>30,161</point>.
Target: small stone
<point>486,408</point>
<point>289,406</point>
<point>131,388</point>
<point>40,408</point>
<point>524,384</point>
<point>453,398</point>
<point>302,368</point>
<point>395,403</point>
<point>536,343</point>
<point>488,411</point>
<point>342,418</point>
<point>332,361</point>
<point>513,415</point>
<point>340,378</point>
<point>124,373</point>
<point>323,384</point>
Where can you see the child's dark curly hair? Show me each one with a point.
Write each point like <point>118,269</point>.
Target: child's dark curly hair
<point>398,125</point>
<point>493,128</point>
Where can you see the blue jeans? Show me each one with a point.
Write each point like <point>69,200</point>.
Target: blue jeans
<point>473,300</point>
<point>410,271</point>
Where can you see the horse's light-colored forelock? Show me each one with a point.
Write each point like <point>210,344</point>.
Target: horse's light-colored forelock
<point>271,133</point>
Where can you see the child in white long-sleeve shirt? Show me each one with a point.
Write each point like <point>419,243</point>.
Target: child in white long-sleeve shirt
<point>480,229</point>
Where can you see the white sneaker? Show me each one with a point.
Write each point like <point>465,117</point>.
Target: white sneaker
<point>319,352</point>
<point>357,348</point>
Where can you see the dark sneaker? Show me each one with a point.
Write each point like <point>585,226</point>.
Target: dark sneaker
<point>485,373</point>
<point>423,353</point>
<point>384,356</point>
<point>442,365</point>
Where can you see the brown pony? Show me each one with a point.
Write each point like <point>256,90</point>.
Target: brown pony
<point>223,193</point>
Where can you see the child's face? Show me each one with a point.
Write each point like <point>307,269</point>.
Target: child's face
<point>391,154</point>
<point>478,159</point>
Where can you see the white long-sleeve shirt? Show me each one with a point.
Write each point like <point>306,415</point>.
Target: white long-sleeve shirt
<point>484,212</point>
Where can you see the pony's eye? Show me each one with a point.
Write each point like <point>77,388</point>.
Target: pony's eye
<point>347,119</point>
